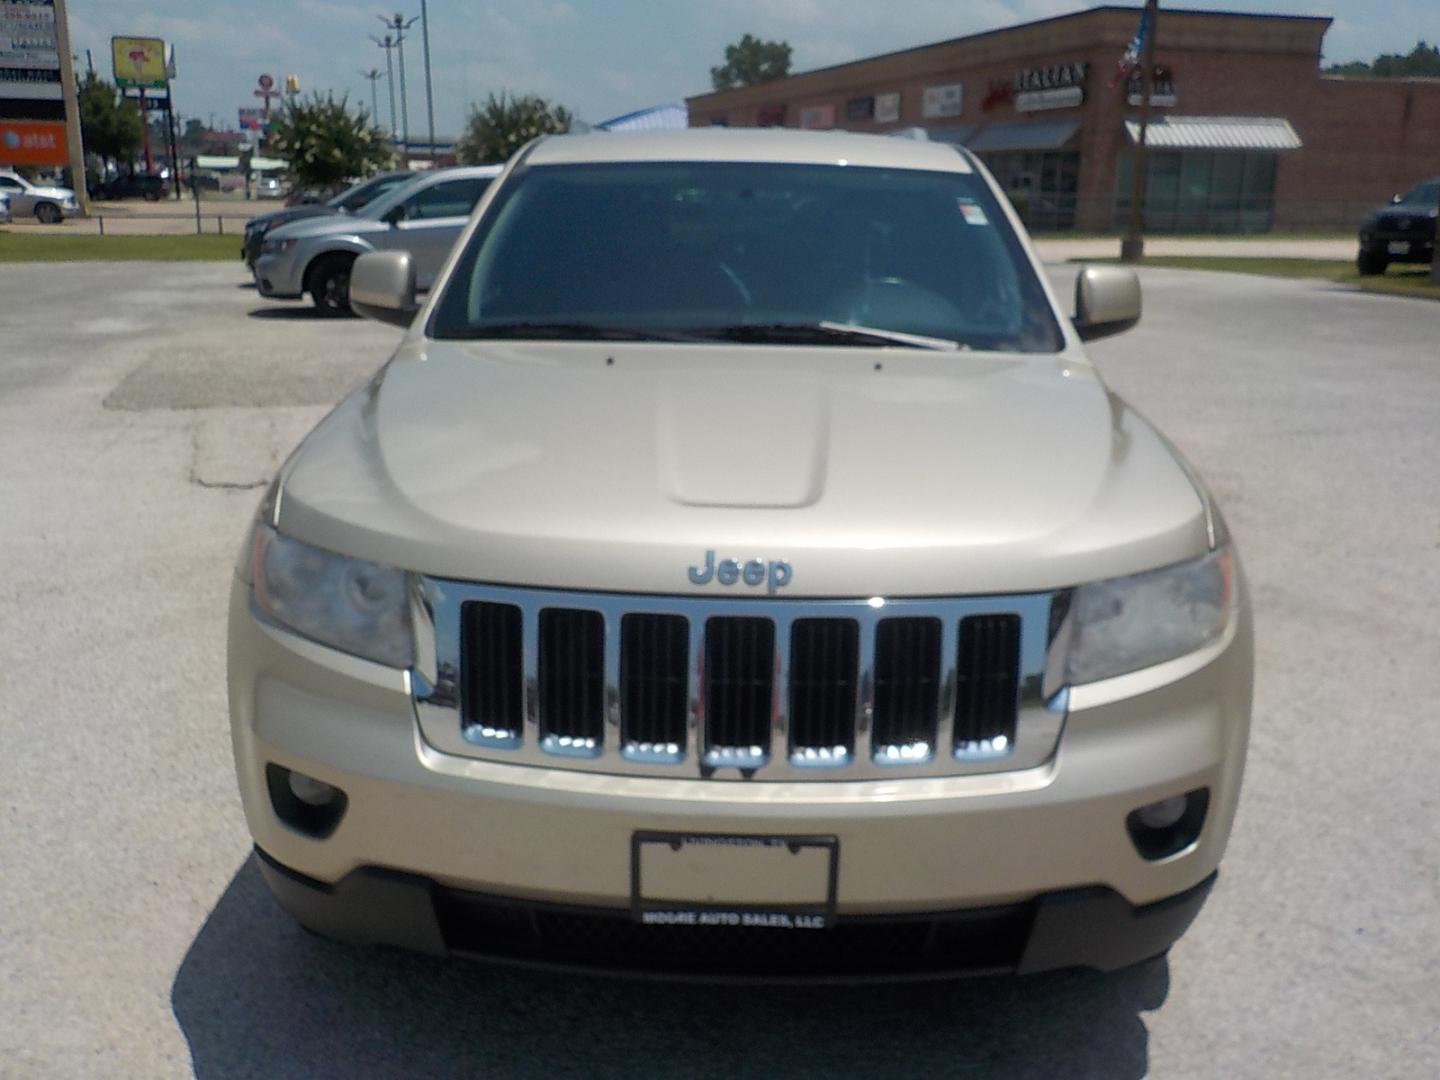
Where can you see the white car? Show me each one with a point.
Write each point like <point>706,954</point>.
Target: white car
<point>741,567</point>
<point>4,209</point>
<point>48,204</point>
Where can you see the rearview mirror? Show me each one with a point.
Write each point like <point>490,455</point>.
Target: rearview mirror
<point>382,287</point>
<point>1107,301</point>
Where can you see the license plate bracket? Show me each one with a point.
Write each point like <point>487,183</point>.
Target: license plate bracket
<point>1398,247</point>
<point>730,879</point>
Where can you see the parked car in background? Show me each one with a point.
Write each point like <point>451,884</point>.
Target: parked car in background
<point>741,568</point>
<point>423,217</point>
<point>1403,231</point>
<point>46,203</point>
<point>349,201</point>
<point>268,187</point>
<point>150,188</point>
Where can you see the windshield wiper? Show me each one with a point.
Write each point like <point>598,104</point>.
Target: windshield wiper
<point>567,331</point>
<point>825,333</point>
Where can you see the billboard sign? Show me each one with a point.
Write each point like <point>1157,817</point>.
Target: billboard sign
<point>139,63</point>
<point>29,55</point>
<point>33,142</point>
<point>253,120</point>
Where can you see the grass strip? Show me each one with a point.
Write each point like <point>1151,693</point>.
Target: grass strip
<point>1397,281</point>
<point>18,247</point>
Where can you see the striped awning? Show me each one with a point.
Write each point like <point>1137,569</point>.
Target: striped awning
<point>1217,133</point>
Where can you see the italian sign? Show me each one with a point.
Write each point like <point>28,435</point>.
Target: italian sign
<point>139,63</point>
<point>32,142</point>
<point>29,56</point>
<point>1055,86</point>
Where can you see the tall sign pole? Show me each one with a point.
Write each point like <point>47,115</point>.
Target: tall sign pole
<point>429,97</point>
<point>399,26</point>
<point>372,77</point>
<point>74,146</point>
<point>386,44</point>
<point>1132,247</point>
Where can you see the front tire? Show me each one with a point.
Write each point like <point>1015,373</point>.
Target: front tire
<point>48,214</point>
<point>1371,262</point>
<point>329,284</point>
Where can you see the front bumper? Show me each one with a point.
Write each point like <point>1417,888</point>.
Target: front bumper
<point>1089,928</point>
<point>452,833</point>
<point>281,276</point>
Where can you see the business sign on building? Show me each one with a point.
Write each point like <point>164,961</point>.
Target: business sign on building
<point>33,142</point>
<point>860,108</point>
<point>818,116</point>
<point>139,63</point>
<point>29,55</point>
<point>947,100</point>
<point>1055,86</point>
<point>1162,89</point>
<point>887,107</point>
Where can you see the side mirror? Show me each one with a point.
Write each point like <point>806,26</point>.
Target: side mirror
<point>382,287</point>
<point>395,214</point>
<point>1107,301</point>
<point>1396,198</point>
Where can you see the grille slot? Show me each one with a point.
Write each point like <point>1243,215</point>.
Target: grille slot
<point>987,682</point>
<point>572,681</point>
<point>739,690</point>
<point>907,686</point>
<point>824,657</point>
<point>491,680</point>
<point>654,686</point>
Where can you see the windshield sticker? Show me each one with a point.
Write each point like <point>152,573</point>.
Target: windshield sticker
<point>972,212</point>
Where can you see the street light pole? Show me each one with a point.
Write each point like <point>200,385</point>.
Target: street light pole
<point>1132,247</point>
<point>372,77</point>
<point>399,26</point>
<point>387,45</point>
<point>429,97</point>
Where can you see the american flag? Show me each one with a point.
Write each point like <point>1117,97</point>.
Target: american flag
<point>1132,51</point>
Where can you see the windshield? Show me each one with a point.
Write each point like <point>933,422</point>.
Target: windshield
<point>1427,195</point>
<point>368,191</point>
<point>755,252</point>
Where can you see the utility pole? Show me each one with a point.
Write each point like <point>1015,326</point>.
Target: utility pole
<point>1132,247</point>
<point>429,97</point>
<point>373,76</point>
<point>75,150</point>
<point>399,26</point>
<point>387,45</point>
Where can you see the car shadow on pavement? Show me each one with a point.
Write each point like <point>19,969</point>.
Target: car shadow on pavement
<point>257,997</point>
<point>305,312</point>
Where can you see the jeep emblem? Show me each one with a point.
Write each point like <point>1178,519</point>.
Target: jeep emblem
<point>775,574</point>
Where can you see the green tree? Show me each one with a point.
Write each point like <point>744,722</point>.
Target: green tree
<point>505,123</point>
<point>751,61</point>
<point>325,142</point>
<point>110,125</point>
<point>1422,62</point>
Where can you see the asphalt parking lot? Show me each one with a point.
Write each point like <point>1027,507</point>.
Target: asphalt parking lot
<point>142,406</point>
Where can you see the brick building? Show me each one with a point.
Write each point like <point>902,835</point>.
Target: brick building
<point>1246,133</point>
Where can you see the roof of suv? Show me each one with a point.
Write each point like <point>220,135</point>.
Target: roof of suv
<point>780,145</point>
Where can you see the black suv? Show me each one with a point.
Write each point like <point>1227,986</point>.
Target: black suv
<point>1402,232</point>
<point>149,188</point>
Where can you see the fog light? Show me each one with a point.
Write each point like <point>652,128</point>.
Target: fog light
<point>304,803</point>
<point>1168,826</point>
<point>318,793</point>
<point>1158,815</point>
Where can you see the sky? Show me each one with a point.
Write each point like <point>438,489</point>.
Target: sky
<point>598,59</point>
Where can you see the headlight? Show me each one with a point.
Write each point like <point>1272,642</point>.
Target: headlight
<point>277,247</point>
<point>1125,624</point>
<point>349,604</point>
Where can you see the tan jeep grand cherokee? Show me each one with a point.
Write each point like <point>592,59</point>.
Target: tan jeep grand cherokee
<point>740,568</point>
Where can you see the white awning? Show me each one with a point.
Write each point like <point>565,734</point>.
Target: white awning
<point>1217,133</point>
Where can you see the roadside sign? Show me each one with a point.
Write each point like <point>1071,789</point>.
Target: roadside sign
<point>139,62</point>
<point>33,142</point>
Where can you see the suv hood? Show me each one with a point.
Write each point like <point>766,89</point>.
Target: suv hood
<point>872,471</point>
<point>329,224</point>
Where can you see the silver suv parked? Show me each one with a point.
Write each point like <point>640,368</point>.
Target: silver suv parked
<point>423,217</point>
<point>740,567</point>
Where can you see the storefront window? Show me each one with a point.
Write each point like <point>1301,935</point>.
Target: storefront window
<point>1202,190</point>
<point>1042,185</point>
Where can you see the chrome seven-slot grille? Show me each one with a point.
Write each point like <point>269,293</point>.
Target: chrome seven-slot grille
<point>737,688</point>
